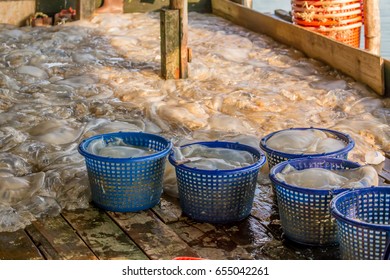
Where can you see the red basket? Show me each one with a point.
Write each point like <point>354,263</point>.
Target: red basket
<point>349,34</point>
<point>187,259</point>
<point>338,19</point>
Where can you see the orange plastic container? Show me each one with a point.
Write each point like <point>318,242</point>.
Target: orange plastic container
<point>187,259</point>
<point>338,19</point>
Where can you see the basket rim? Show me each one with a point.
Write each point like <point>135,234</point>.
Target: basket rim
<point>82,147</point>
<point>340,217</point>
<point>323,3</point>
<point>350,143</point>
<point>280,166</point>
<point>221,144</point>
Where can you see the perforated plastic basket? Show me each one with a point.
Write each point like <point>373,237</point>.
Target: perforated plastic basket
<point>304,213</point>
<point>274,157</point>
<point>218,196</point>
<point>387,252</point>
<point>363,222</point>
<point>127,184</point>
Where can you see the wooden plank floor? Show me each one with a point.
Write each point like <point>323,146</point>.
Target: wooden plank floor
<point>159,233</point>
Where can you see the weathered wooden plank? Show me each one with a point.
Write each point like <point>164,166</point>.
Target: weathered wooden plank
<point>387,78</point>
<point>102,235</point>
<point>16,12</point>
<point>168,210</point>
<point>241,240</point>
<point>386,166</point>
<point>57,240</point>
<point>18,246</point>
<point>170,44</point>
<point>359,64</point>
<point>264,203</point>
<point>386,176</point>
<point>372,26</point>
<point>155,238</point>
<point>184,40</point>
<point>86,8</point>
<point>384,173</point>
<point>182,6</point>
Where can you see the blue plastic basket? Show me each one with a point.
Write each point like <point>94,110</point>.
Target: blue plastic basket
<point>274,157</point>
<point>304,213</point>
<point>218,196</point>
<point>387,252</point>
<point>127,184</point>
<point>363,222</point>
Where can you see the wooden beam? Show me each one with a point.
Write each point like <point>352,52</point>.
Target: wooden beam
<point>359,64</point>
<point>57,240</point>
<point>246,3</point>
<point>372,29</point>
<point>387,77</point>
<point>168,210</point>
<point>154,237</point>
<point>85,8</point>
<point>18,246</point>
<point>102,235</point>
<point>170,44</point>
<point>182,6</point>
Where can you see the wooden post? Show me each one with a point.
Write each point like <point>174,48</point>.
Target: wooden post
<point>84,9</point>
<point>170,44</point>
<point>245,3</point>
<point>372,37</point>
<point>182,6</point>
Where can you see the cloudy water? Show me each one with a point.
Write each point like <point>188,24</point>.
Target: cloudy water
<point>61,84</point>
<point>267,6</point>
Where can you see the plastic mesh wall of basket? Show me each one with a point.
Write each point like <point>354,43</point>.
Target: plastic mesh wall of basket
<point>219,196</point>
<point>304,213</point>
<point>274,157</point>
<point>127,184</point>
<point>363,222</point>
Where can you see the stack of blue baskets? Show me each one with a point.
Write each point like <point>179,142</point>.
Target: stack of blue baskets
<point>127,184</point>
<point>304,213</point>
<point>363,222</point>
<point>218,196</point>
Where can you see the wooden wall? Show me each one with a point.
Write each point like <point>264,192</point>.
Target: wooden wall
<point>387,77</point>
<point>16,11</point>
<point>359,64</point>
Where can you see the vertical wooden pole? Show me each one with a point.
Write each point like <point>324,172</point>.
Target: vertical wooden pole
<point>84,9</point>
<point>247,3</point>
<point>182,6</point>
<point>372,33</point>
<point>170,44</point>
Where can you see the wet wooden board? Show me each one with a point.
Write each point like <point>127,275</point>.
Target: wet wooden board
<point>385,172</point>
<point>154,237</point>
<point>359,64</point>
<point>102,235</point>
<point>219,242</point>
<point>18,246</point>
<point>57,240</point>
<point>168,210</point>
